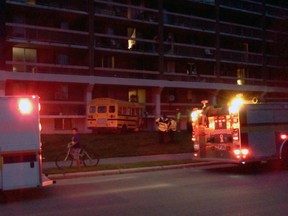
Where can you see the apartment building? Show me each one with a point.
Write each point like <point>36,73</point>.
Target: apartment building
<point>168,55</point>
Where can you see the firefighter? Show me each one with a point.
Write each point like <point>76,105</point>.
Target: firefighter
<point>162,124</point>
<point>178,118</point>
<point>166,126</point>
<point>172,127</point>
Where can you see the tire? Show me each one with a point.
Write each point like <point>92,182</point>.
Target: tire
<point>61,163</point>
<point>90,159</point>
<point>124,129</point>
<point>284,160</point>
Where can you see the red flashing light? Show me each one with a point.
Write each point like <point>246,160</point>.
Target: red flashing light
<point>25,106</point>
<point>283,136</point>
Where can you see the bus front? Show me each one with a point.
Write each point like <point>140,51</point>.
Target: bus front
<point>102,116</point>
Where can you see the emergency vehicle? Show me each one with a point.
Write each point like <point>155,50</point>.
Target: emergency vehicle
<point>108,114</point>
<point>241,132</point>
<point>20,145</point>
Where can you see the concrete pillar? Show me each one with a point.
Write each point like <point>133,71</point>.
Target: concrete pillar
<point>213,97</point>
<point>157,100</point>
<point>156,95</point>
<point>2,87</point>
<point>89,91</point>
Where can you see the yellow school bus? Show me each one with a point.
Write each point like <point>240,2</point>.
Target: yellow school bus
<point>107,114</point>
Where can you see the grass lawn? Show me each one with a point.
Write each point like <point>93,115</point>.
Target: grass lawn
<point>118,145</point>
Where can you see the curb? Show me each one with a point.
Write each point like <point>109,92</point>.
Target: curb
<point>130,170</point>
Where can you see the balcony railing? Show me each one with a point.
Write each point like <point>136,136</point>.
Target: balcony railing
<point>241,31</point>
<point>126,11</point>
<point>34,67</point>
<point>46,35</point>
<point>77,6</point>
<point>189,22</point>
<point>248,58</point>
<point>126,73</point>
<point>179,50</point>
<point>276,12</point>
<point>243,5</point>
<point>124,43</point>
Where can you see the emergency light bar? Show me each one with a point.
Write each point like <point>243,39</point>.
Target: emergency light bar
<point>25,106</point>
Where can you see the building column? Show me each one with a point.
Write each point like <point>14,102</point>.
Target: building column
<point>156,99</point>
<point>88,98</point>
<point>2,87</point>
<point>213,97</point>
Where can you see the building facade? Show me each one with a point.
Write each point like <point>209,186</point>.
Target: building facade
<point>168,55</point>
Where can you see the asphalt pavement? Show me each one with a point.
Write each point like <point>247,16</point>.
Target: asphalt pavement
<point>183,192</point>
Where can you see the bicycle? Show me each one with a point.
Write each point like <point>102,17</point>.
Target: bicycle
<point>87,158</point>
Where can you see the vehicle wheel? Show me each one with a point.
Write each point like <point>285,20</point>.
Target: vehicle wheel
<point>90,159</point>
<point>284,158</point>
<point>95,131</point>
<point>124,129</point>
<point>63,161</point>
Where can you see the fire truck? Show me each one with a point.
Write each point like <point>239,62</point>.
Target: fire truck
<point>241,132</point>
<point>20,145</point>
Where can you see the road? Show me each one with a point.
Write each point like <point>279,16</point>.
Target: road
<point>171,192</point>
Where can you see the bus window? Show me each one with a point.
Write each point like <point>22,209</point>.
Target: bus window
<point>120,110</point>
<point>124,111</point>
<point>111,109</point>
<point>128,111</point>
<point>92,109</point>
<point>102,109</point>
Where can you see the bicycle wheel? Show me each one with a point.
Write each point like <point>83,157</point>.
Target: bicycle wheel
<point>90,159</point>
<point>64,161</point>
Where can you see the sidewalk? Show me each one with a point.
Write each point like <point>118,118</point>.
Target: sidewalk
<point>134,159</point>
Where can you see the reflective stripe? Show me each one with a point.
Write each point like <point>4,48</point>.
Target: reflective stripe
<point>173,125</point>
<point>162,126</point>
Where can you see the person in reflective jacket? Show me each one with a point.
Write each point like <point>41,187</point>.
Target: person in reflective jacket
<point>165,125</point>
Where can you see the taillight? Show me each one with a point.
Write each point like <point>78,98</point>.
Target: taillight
<point>237,152</point>
<point>241,153</point>
<point>244,151</point>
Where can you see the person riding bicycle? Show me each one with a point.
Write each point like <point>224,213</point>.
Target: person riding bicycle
<point>75,146</point>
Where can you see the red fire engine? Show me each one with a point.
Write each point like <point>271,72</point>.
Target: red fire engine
<point>240,132</point>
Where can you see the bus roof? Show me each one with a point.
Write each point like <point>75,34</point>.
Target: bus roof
<point>109,101</point>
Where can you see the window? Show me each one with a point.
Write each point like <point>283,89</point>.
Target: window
<point>63,124</point>
<point>111,109</point>
<point>120,110</point>
<point>62,59</point>
<point>92,109</point>
<point>102,109</point>
<point>26,56</point>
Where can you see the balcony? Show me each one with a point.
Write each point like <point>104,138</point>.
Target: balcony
<point>189,22</point>
<point>241,31</point>
<point>34,67</point>
<point>126,12</point>
<point>124,44</point>
<point>72,6</point>
<point>240,57</point>
<point>245,6</point>
<point>46,36</point>
<point>276,12</point>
